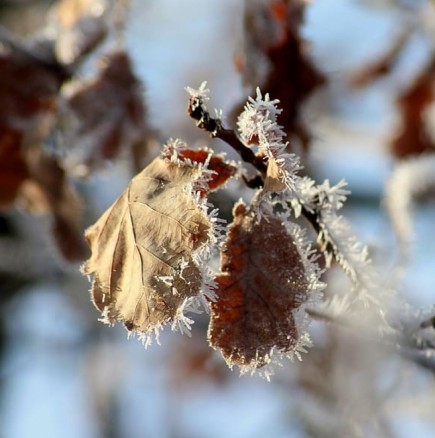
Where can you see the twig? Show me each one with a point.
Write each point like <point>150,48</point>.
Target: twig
<point>215,128</point>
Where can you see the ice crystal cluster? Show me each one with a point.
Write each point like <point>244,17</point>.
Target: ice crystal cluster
<point>258,124</point>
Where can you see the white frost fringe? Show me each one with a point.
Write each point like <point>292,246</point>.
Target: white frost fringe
<point>258,123</point>
<point>201,258</point>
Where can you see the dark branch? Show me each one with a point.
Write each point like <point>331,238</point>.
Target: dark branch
<point>215,129</point>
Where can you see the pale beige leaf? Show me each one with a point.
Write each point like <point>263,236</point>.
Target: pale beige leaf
<point>152,231</point>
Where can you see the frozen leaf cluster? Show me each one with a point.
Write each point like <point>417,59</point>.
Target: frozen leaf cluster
<point>260,142</point>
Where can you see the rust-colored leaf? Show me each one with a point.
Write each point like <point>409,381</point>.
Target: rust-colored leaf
<point>105,115</point>
<point>263,282</point>
<point>27,105</point>
<point>29,175</point>
<point>13,170</point>
<point>292,78</point>
<point>143,248</point>
<point>28,91</point>
<point>414,137</point>
<point>221,170</point>
<point>62,200</point>
<point>278,51</point>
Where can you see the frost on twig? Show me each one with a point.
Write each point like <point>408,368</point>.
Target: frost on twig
<point>257,124</point>
<point>339,242</point>
<point>318,203</point>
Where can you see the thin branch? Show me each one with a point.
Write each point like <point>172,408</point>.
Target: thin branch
<point>406,344</point>
<point>214,127</point>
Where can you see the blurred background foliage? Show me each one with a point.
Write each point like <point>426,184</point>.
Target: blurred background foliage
<point>356,81</point>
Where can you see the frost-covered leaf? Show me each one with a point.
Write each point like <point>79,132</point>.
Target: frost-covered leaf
<point>265,282</point>
<point>146,246</point>
<point>103,116</point>
<point>219,171</point>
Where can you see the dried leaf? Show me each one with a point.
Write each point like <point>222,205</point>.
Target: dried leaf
<point>62,200</point>
<point>144,249</point>
<point>274,181</point>
<point>13,170</point>
<point>263,282</point>
<point>221,170</point>
<point>414,138</point>
<point>104,116</point>
<point>277,58</point>
<point>28,103</point>
<point>27,106</point>
<point>28,90</point>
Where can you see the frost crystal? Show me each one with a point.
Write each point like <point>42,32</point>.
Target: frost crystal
<point>258,124</point>
<point>338,240</point>
<point>202,93</point>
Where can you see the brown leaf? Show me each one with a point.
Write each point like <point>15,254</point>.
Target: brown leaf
<point>62,200</point>
<point>13,170</point>
<point>152,231</point>
<point>105,115</point>
<point>279,51</point>
<point>263,282</point>
<point>27,106</point>
<point>28,103</point>
<point>28,91</point>
<point>221,170</point>
<point>274,181</point>
<point>414,137</point>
